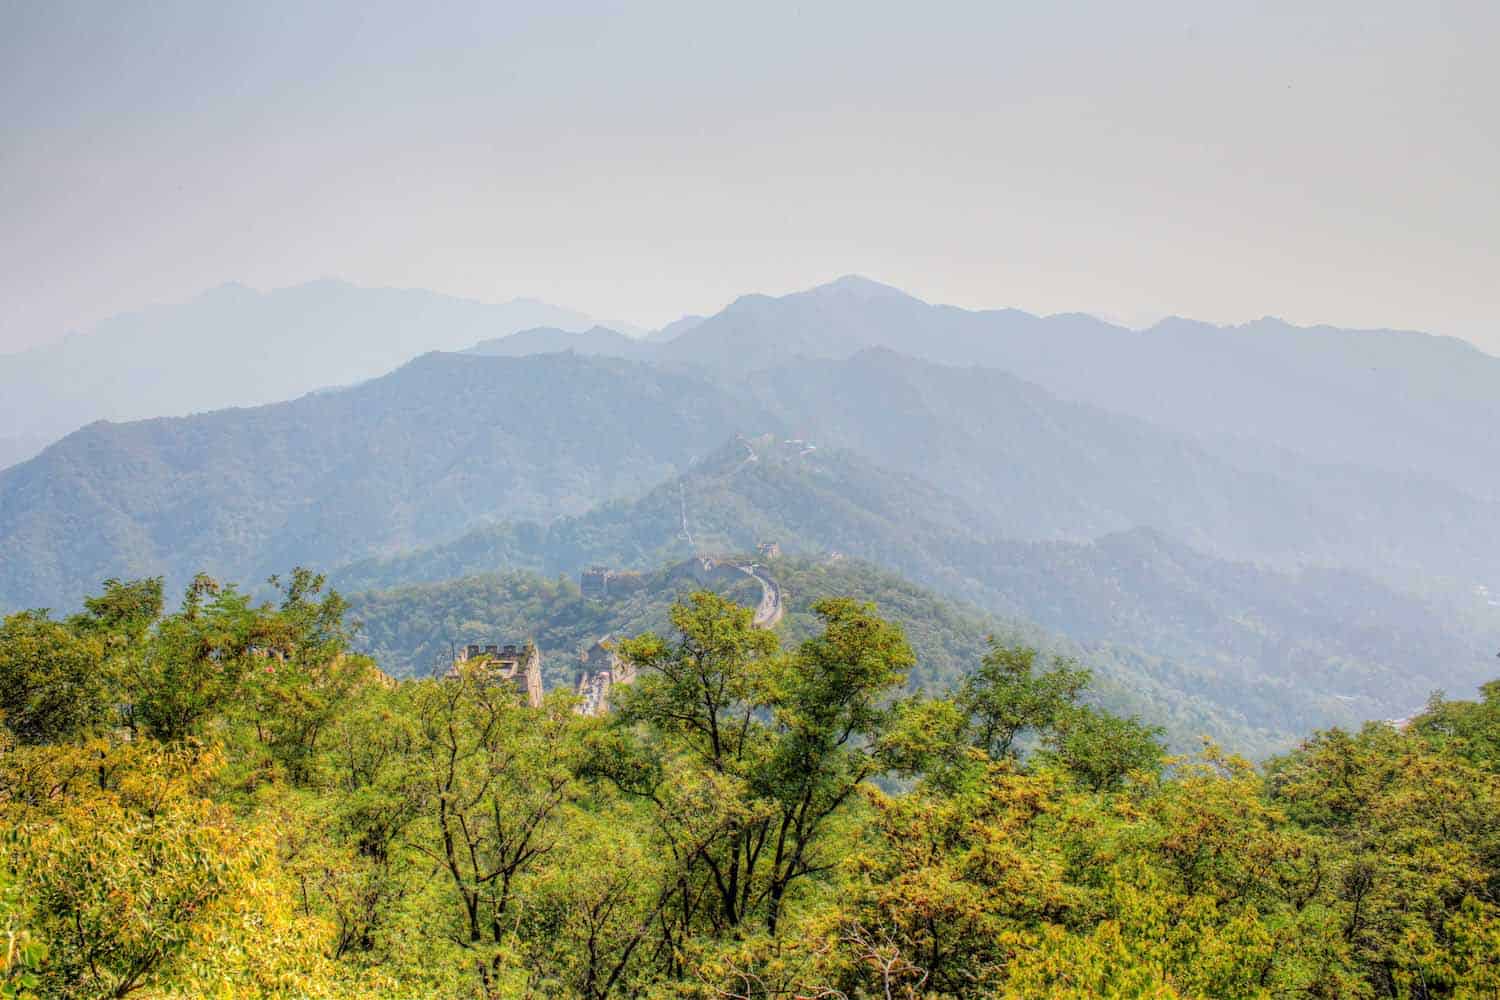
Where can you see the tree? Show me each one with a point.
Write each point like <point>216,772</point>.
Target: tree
<point>1411,837</point>
<point>756,751</point>
<point>1005,698</point>
<point>53,686</point>
<point>829,709</point>
<point>494,777</point>
<point>191,669</point>
<point>1100,749</point>
<point>1468,729</point>
<point>132,875</point>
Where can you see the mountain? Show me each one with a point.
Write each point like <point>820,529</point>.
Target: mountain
<point>456,440</point>
<point>234,346</point>
<point>1043,467</point>
<point>747,491</point>
<point>19,447</point>
<point>1404,403</point>
<point>598,340</point>
<point>830,321</point>
<point>675,329</point>
<point>1278,651</point>
<point>416,456</point>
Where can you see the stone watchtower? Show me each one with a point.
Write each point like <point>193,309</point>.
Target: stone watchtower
<point>519,665</point>
<point>594,582</point>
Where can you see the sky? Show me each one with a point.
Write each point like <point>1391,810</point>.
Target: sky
<point>1331,162</point>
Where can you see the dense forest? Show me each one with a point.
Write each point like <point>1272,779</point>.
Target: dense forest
<point>222,799</point>
<point>411,630</point>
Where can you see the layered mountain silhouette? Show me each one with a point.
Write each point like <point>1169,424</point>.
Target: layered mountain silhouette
<point>450,441</point>
<point>234,346</point>
<point>1403,402</point>
<point>598,341</point>
<point>414,457</point>
<point>1258,514</point>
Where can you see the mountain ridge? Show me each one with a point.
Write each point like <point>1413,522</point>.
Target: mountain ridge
<point>234,345</point>
<point>420,454</point>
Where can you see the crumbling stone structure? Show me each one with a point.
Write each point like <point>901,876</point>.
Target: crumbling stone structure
<point>602,670</point>
<point>519,665</point>
<point>600,581</point>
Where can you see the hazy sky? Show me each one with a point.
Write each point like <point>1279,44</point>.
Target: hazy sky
<point>1325,162</point>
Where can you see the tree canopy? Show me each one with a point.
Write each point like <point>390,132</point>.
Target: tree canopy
<point>222,800</point>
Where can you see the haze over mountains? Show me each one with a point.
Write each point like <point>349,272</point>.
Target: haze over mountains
<point>235,346</point>
<point>1404,402</point>
<point>417,455</point>
<point>1290,523</point>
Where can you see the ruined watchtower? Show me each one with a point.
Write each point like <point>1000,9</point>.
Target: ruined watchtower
<point>600,581</point>
<point>520,665</point>
<point>602,669</point>
<point>594,582</point>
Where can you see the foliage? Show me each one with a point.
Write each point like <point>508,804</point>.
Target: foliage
<point>238,806</point>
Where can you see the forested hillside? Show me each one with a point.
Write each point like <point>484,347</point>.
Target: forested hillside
<point>415,457</point>
<point>451,442</point>
<point>1255,655</point>
<point>222,800</point>
<point>412,631</point>
<point>530,445</point>
<point>1267,593</point>
<point>1049,469</point>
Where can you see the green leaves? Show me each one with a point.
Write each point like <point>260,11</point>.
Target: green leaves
<point>54,685</point>
<point>1005,698</point>
<point>285,820</point>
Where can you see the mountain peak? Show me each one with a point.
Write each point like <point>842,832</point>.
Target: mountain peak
<point>857,285</point>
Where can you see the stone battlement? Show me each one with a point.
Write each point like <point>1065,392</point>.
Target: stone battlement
<point>520,665</point>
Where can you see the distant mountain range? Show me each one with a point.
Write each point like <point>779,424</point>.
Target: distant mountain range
<point>1405,403</point>
<point>234,346</point>
<point>454,440</point>
<point>598,341</point>
<point>1289,524</point>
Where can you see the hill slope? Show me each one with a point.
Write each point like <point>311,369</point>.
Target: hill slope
<point>234,346</point>
<point>1285,651</point>
<point>407,459</point>
<point>598,341</point>
<point>453,441</point>
<point>1047,468</point>
<point>411,629</point>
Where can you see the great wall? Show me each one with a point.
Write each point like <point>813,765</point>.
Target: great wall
<point>712,569</point>
<point>601,668</point>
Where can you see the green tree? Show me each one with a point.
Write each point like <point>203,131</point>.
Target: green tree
<point>494,779</point>
<point>53,685</point>
<point>754,752</point>
<point>1101,749</point>
<point>1006,698</point>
